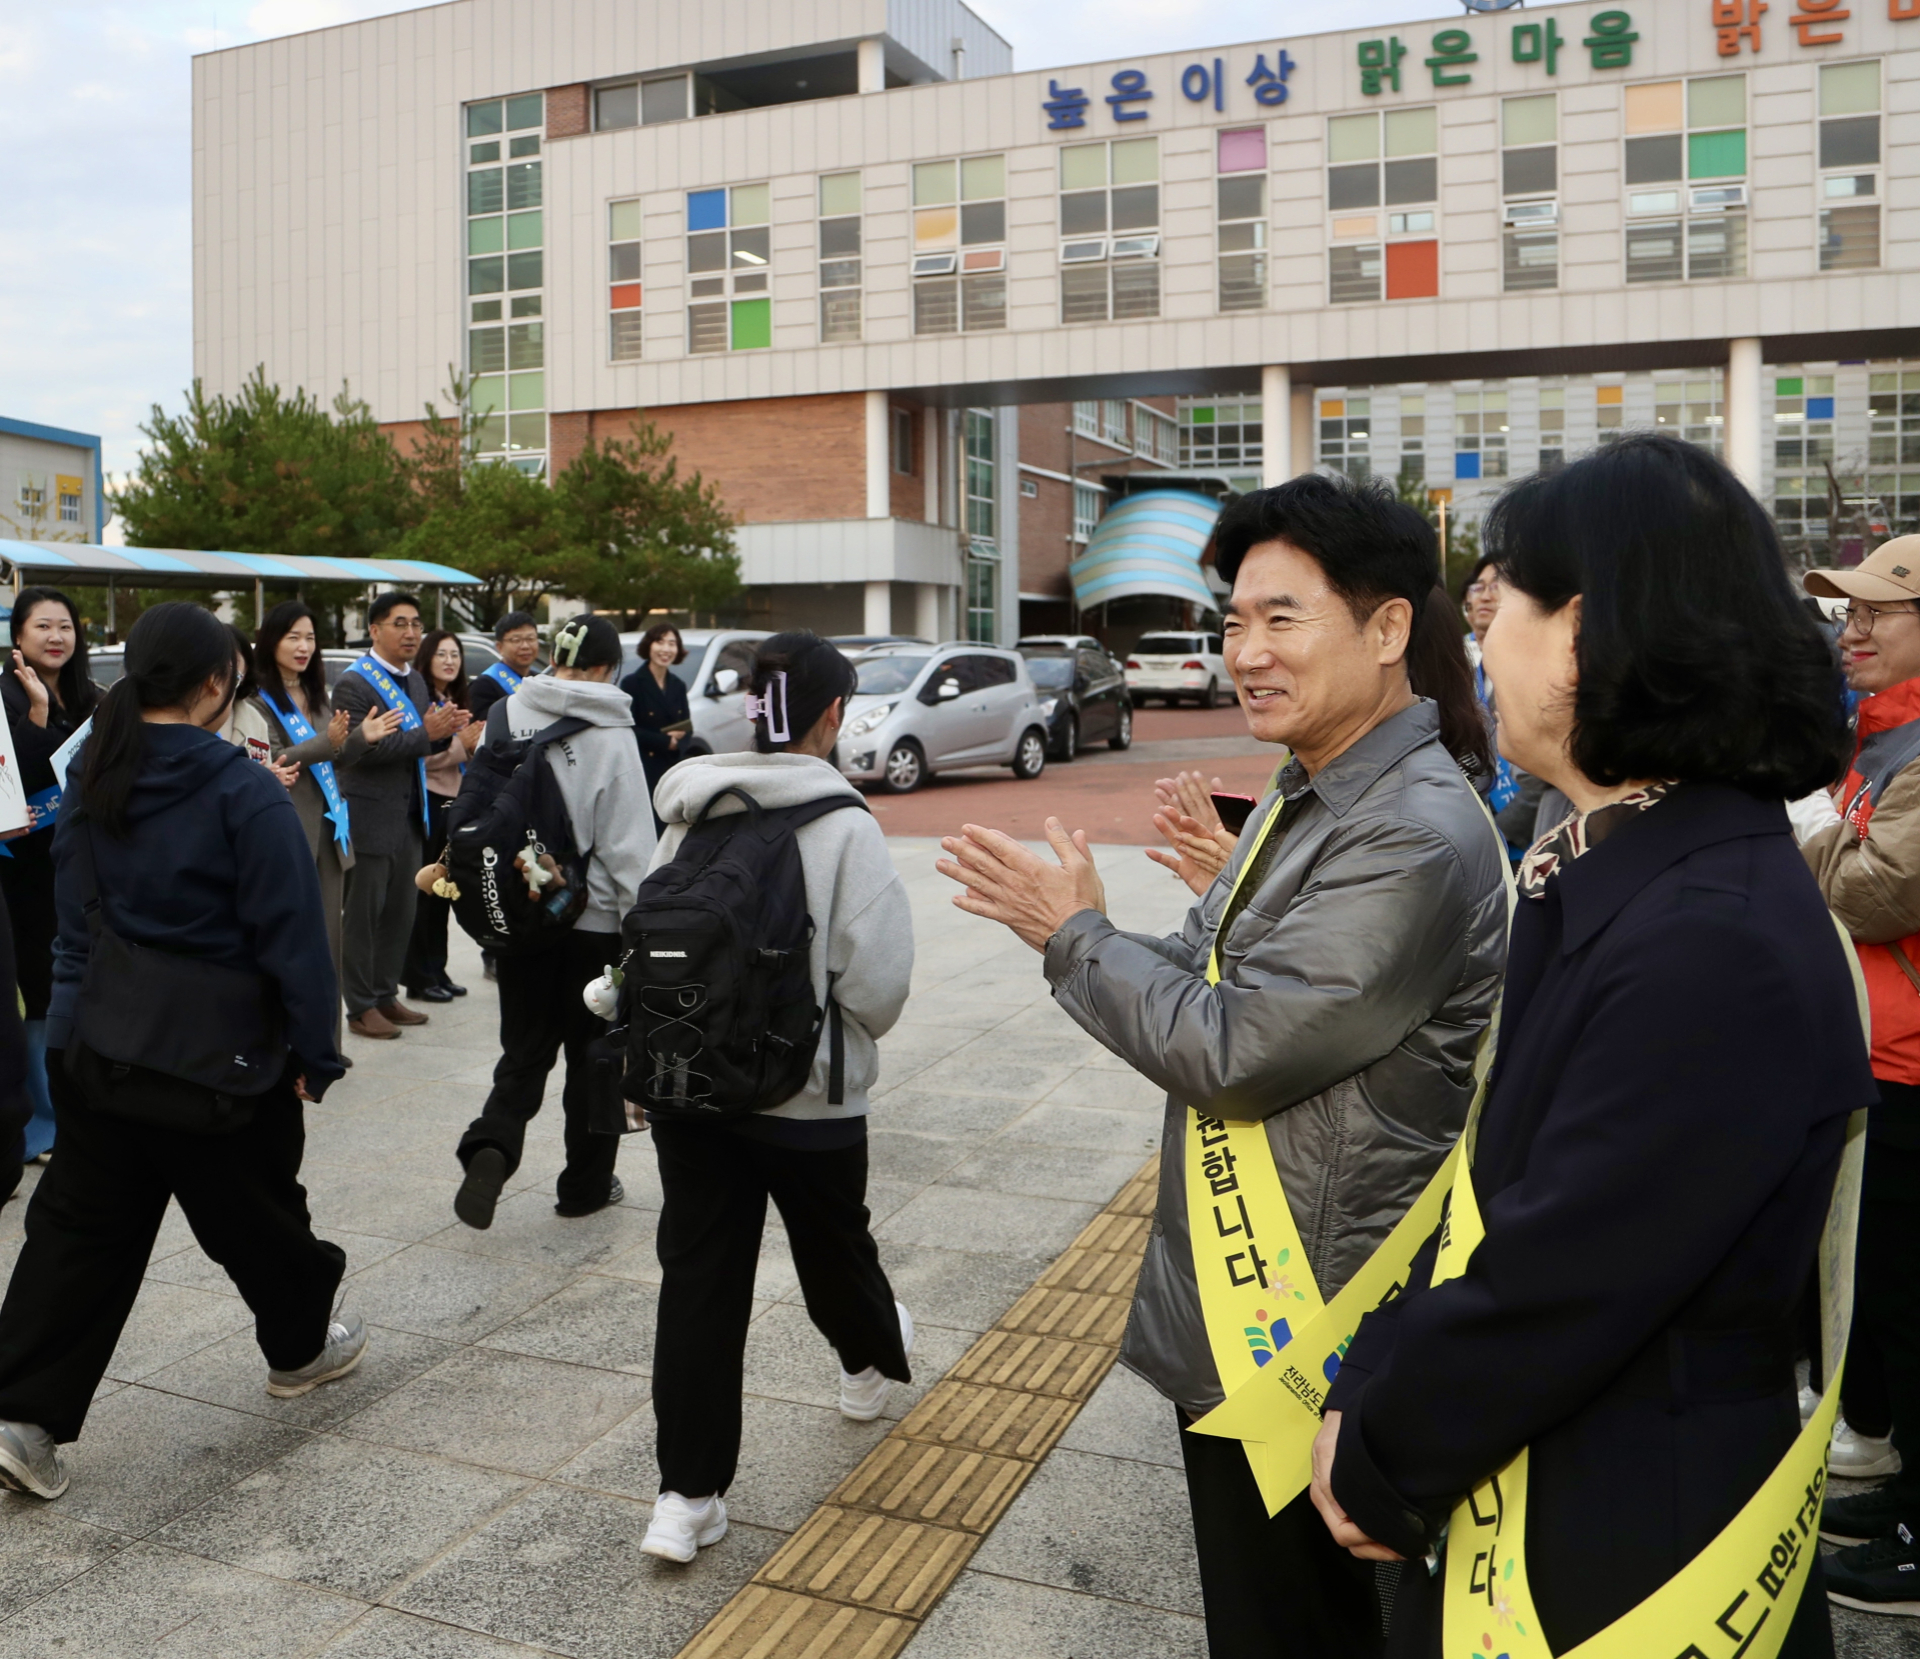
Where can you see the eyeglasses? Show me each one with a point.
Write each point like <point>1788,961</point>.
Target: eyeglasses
<point>1861,618</point>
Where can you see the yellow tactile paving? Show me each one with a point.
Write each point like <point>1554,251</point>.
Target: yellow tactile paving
<point>871,1562</point>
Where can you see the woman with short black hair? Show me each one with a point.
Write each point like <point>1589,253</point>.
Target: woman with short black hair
<point>662,718</point>
<point>48,695</point>
<point>192,1011</point>
<point>1679,1052</point>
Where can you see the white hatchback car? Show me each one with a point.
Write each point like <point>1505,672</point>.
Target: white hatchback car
<point>1177,666</point>
<point>920,709</point>
<point>716,673</point>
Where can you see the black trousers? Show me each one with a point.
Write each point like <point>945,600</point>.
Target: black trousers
<point>541,1015</point>
<point>1274,1588</point>
<point>378,922</point>
<point>717,1183</point>
<point>1881,1388</point>
<point>426,959</point>
<point>90,1229</point>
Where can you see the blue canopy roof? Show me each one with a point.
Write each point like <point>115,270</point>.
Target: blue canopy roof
<point>1148,543</point>
<point>162,567</point>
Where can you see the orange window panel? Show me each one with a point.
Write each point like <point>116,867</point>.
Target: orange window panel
<point>1413,270</point>
<point>626,296</point>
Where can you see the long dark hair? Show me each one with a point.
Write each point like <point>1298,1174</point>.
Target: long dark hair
<point>172,651</point>
<point>456,692</point>
<point>1372,547</point>
<point>76,690</point>
<point>1697,661</point>
<point>267,677</point>
<point>816,673</point>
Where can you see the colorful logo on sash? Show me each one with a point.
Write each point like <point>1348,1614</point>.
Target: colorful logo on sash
<point>369,669</point>
<point>297,728</point>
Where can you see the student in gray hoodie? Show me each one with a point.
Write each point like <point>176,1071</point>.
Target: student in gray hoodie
<point>605,790</point>
<point>808,1156</point>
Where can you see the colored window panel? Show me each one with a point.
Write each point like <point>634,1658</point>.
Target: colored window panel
<point>1661,107</point>
<point>527,432</point>
<point>1849,88</point>
<point>623,222</point>
<point>1719,102</point>
<point>1717,155</point>
<point>525,111</point>
<point>485,192</point>
<point>1413,270</point>
<point>752,324</point>
<point>624,296</point>
<point>524,270</point>
<point>526,391</point>
<point>486,276</point>
<point>489,394</point>
<point>935,183</point>
<point>983,177</point>
<point>1413,132</point>
<point>1082,167</point>
<point>839,193</point>
<point>1353,138</point>
<point>1530,120</point>
<point>752,204</point>
<point>1466,465</point>
<point>486,235</point>
<point>706,210</point>
<point>1605,395</point>
<point>1136,160</point>
<point>1819,408</point>
<point>523,230</point>
<point>935,227</point>
<point>1243,150</point>
<point>483,119</point>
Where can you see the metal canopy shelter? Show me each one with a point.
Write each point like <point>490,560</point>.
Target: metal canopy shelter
<point>1149,543</point>
<point>25,562</point>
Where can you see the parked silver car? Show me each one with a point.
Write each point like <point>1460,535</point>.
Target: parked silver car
<point>716,673</point>
<point>920,709</point>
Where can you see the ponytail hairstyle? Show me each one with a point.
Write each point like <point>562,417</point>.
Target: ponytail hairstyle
<point>796,677</point>
<point>1372,547</point>
<point>172,652</point>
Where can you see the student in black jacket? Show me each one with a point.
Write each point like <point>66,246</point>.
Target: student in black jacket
<point>1679,1050</point>
<point>197,853</point>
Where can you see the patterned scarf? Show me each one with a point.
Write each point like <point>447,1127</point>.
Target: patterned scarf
<point>1580,833</point>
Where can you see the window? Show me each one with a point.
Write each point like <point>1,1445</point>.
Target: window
<point>31,500</point>
<point>840,250</point>
<point>1221,435</point>
<point>1530,182</point>
<point>1240,206</point>
<point>1113,421</point>
<point>1609,411</point>
<point>1156,435</point>
<point>1691,409</point>
<point>983,550</point>
<point>640,103</point>
<point>1685,169</point>
<point>1086,419</point>
<point>901,428</point>
<point>623,279</point>
<point>506,273</point>
<point>1110,230</point>
<point>1413,436</point>
<point>1346,432</point>
<point>1803,422</point>
<point>1553,428</point>
<point>960,245</point>
<point>1087,500</point>
<point>1480,434</point>
<point>1383,160</point>
<point>1893,402</point>
<point>68,492</point>
<point>729,247</point>
<point>1849,166</point>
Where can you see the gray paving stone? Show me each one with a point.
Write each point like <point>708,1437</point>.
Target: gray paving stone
<point>774,1276</point>
<point>984,1617</point>
<point>988,1223</point>
<point>505,1411</point>
<point>41,1549</point>
<point>932,1039</point>
<point>987,1073</point>
<point>1124,1090</point>
<point>452,1294</point>
<point>952,1115</point>
<point>398,1203</point>
<point>193,1267</point>
<point>1127,1418</point>
<point>233,1374</point>
<point>787,1359</point>
<point>912,1159</point>
<point>152,1603</point>
<point>342,1515</point>
<point>1081,1522</point>
<point>1135,1134</point>
<point>169,1322</point>
<point>791,1456</point>
<point>1013,1164</point>
<point>596,1320</point>
<point>966,1292</point>
<point>145,1457</point>
<point>526,1229</point>
<point>562,1569</point>
<point>384,1634</point>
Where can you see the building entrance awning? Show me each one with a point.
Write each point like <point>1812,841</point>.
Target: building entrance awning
<point>25,562</point>
<point>1148,544</point>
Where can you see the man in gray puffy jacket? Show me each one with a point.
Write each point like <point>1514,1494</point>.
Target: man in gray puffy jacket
<point>1361,935</point>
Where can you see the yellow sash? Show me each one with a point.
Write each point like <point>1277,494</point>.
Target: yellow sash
<point>1736,1598</point>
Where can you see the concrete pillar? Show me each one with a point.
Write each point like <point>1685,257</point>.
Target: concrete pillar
<point>930,428</point>
<point>926,611</point>
<point>1276,424</point>
<point>873,66</point>
<point>1303,430</point>
<point>879,491</point>
<point>879,614</point>
<point>1744,449</point>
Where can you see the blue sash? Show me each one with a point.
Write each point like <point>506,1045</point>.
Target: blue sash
<point>502,676</point>
<point>390,694</point>
<point>321,770</point>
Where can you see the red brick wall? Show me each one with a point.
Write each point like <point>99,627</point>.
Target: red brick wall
<point>566,437</point>
<point>405,435</point>
<point>566,111</point>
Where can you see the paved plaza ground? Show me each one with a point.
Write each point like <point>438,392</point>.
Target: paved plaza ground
<point>480,1487</point>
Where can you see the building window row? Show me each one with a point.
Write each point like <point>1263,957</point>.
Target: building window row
<point>960,245</point>
<point>1110,230</point>
<point>506,279</point>
<point>840,257</point>
<point>729,250</point>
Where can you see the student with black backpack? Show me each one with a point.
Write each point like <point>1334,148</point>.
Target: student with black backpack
<point>548,840</point>
<point>774,1106</point>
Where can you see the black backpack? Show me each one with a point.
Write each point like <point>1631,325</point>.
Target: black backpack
<point>717,993</point>
<point>509,804</point>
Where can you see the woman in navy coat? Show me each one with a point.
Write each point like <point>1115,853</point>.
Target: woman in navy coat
<point>1680,1048</point>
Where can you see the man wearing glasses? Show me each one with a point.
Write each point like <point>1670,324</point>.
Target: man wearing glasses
<point>1868,867</point>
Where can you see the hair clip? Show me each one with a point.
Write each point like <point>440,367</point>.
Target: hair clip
<point>758,708</point>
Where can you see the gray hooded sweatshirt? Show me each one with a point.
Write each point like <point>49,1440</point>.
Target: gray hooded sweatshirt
<point>602,782</point>
<point>863,924</point>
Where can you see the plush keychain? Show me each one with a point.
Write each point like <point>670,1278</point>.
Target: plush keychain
<point>538,870</point>
<point>435,880</point>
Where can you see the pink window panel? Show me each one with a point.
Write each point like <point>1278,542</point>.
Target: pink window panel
<point>1244,150</point>
<point>626,296</point>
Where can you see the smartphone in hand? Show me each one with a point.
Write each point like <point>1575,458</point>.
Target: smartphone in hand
<point>1235,810</point>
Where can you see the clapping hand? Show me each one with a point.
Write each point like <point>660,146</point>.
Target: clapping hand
<point>443,720</point>
<point>36,690</point>
<point>379,723</point>
<point>1190,824</point>
<point>288,774</point>
<point>1006,883</point>
<point>338,728</point>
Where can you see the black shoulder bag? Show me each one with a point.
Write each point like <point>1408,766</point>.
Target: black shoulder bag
<point>173,1042</point>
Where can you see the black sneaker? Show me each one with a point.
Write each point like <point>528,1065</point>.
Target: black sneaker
<point>573,1209</point>
<point>1880,1577</point>
<point>1870,1515</point>
<point>480,1191</point>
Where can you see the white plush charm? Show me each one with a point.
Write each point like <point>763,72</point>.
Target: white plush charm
<point>602,997</point>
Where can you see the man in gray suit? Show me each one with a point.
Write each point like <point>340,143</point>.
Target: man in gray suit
<point>385,790</point>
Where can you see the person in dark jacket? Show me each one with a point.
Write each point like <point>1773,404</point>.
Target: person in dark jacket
<point>443,666</point>
<point>196,852</point>
<point>1680,1048</point>
<point>49,696</point>
<point>659,701</point>
<point>16,1104</point>
<point>518,637</point>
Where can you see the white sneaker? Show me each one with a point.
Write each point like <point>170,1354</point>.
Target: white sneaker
<point>679,1530</point>
<point>863,1394</point>
<point>1809,1404</point>
<point>1859,1456</point>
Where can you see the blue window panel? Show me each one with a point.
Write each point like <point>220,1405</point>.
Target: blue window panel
<point>706,210</point>
<point>1819,408</point>
<point>1466,464</point>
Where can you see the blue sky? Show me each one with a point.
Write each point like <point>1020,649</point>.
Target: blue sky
<point>95,257</point>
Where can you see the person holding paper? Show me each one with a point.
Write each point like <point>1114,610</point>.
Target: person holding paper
<point>48,695</point>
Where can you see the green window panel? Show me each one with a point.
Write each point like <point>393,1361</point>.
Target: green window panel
<point>527,391</point>
<point>486,276</point>
<point>488,394</point>
<point>490,434</point>
<point>752,204</point>
<point>526,432</point>
<point>523,185</point>
<point>934,183</point>
<point>983,177</point>
<point>524,270</point>
<point>623,221</point>
<point>752,324</point>
<point>526,346</point>
<point>528,110</point>
<point>486,350</point>
<point>1082,166</point>
<point>523,230</point>
<point>484,191</point>
<point>1717,155</point>
<point>839,193</point>
<point>482,119</point>
<point>486,235</point>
